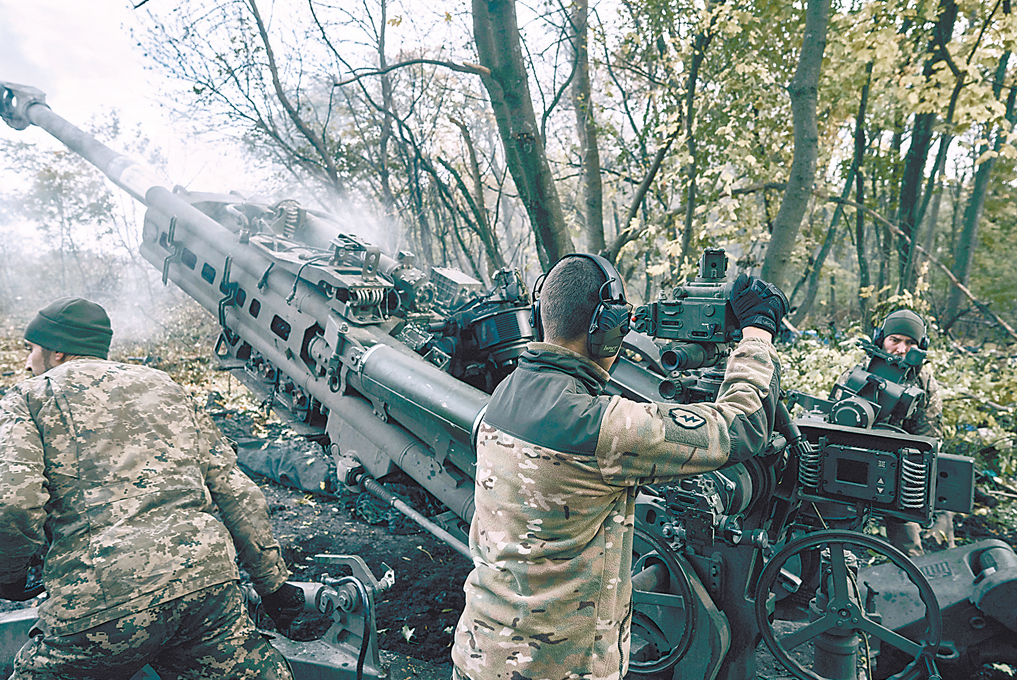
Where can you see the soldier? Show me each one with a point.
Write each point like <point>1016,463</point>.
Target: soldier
<point>115,474</point>
<point>559,465</point>
<point>899,332</point>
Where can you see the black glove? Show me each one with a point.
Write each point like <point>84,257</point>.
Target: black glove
<point>758,303</point>
<point>19,591</point>
<point>284,604</point>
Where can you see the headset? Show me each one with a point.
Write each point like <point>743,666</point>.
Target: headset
<point>610,321</point>
<point>878,336</point>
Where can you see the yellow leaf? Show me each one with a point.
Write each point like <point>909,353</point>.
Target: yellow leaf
<point>986,156</point>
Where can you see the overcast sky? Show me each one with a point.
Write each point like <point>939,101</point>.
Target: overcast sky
<point>81,55</point>
<point>79,52</point>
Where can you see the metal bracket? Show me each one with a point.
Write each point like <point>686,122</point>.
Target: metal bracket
<point>372,259</point>
<point>178,249</point>
<point>229,289</point>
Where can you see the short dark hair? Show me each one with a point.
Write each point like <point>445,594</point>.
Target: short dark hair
<point>568,297</point>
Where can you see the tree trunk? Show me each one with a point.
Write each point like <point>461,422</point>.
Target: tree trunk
<point>498,46</point>
<point>864,277</point>
<point>803,91</point>
<point>586,127</point>
<point>387,198</point>
<point>918,151</point>
<point>968,237</point>
<point>702,41</point>
<point>856,163</point>
<point>883,238</point>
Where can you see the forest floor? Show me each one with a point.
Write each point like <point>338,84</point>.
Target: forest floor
<point>417,616</point>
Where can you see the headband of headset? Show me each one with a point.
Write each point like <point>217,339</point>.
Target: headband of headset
<point>610,321</point>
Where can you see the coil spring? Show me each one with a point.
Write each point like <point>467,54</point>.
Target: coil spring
<point>366,297</point>
<point>291,217</point>
<point>914,480</point>
<point>808,463</point>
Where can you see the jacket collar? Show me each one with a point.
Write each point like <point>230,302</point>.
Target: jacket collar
<point>544,355</point>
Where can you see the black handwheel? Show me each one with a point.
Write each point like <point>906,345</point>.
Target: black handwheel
<point>661,618</point>
<point>843,614</point>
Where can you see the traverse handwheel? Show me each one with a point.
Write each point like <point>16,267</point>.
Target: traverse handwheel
<point>662,614</point>
<point>840,618</point>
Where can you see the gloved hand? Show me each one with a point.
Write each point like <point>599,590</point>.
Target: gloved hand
<point>19,591</point>
<point>758,303</point>
<point>284,604</point>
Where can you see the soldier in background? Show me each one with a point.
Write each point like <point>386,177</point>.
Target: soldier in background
<point>115,473</point>
<point>559,465</point>
<point>899,332</point>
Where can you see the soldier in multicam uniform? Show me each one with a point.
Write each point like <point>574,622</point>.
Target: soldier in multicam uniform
<point>558,468</point>
<point>901,330</point>
<point>112,471</point>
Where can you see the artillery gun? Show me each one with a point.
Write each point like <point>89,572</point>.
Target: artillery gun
<point>392,367</point>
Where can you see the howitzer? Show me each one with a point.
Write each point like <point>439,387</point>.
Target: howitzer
<point>392,366</point>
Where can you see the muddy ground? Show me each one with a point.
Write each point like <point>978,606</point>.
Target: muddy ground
<point>417,615</point>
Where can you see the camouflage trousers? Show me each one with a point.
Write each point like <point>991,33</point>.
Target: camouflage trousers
<point>905,535</point>
<point>206,634</point>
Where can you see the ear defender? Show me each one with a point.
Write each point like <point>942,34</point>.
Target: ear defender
<point>535,323</point>
<point>611,318</point>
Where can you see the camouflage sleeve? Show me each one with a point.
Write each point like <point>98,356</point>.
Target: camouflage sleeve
<point>243,509</point>
<point>23,494</point>
<point>928,421</point>
<point>642,443</point>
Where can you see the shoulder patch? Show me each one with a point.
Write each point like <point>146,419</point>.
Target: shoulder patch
<point>687,419</point>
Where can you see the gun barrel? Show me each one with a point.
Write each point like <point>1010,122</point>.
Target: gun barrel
<point>23,106</point>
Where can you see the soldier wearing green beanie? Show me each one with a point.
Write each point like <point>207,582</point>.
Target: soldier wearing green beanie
<point>72,326</point>
<point>134,498</point>
<point>901,331</point>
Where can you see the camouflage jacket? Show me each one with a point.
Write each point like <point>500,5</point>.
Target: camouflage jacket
<point>115,467</point>
<point>927,419</point>
<point>558,466</point>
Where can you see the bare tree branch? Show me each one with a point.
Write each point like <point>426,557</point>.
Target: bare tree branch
<point>318,142</point>
<point>472,69</point>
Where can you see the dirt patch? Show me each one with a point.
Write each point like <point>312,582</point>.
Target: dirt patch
<point>417,615</point>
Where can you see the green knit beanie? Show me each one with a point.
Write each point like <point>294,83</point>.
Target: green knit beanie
<point>73,326</point>
<point>904,322</point>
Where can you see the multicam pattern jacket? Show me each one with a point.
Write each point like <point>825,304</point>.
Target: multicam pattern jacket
<point>558,466</point>
<point>120,473</point>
